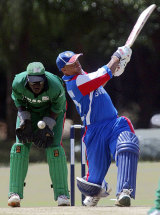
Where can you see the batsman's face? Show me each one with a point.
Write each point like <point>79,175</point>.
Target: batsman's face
<point>36,87</point>
<point>72,69</point>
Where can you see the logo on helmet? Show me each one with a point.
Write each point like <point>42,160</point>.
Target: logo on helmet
<point>37,70</point>
<point>68,54</point>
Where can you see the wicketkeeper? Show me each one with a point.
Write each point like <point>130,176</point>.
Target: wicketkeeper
<point>38,96</point>
<point>106,133</point>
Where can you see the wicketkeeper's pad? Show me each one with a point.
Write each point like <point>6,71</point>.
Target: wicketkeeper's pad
<point>58,170</point>
<point>88,188</point>
<point>19,158</point>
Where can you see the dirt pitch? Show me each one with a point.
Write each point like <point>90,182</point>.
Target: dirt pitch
<point>75,211</point>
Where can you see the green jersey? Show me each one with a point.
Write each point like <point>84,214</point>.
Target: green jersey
<point>52,98</point>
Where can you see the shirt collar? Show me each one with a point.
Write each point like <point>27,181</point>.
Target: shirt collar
<point>67,78</point>
<point>70,77</point>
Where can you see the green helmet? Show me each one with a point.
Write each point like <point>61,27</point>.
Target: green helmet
<point>35,72</point>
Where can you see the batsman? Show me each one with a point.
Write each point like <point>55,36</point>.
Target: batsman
<point>39,96</point>
<point>106,133</point>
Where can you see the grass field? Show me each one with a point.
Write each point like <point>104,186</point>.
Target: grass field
<point>38,193</point>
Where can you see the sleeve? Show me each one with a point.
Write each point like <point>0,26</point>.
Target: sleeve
<point>16,95</point>
<point>58,101</point>
<point>90,82</point>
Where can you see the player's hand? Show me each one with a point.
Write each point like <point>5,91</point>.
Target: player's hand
<point>25,132</point>
<point>123,53</point>
<point>43,137</point>
<point>120,69</point>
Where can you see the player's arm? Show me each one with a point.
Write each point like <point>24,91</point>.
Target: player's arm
<point>113,65</point>
<point>87,83</point>
<point>124,55</point>
<point>17,98</point>
<point>90,82</point>
<point>53,115</point>
<point>24,132</point>
<point>17,95</point>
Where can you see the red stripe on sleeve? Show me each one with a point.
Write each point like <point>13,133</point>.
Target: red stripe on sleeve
<point>89,86</point>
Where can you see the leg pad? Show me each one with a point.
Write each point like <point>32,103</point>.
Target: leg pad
<point>127,154</point>
<point>19,158</point>
<point>58,170</point>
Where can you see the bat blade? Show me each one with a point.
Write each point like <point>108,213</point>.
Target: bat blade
<point>142,19</point>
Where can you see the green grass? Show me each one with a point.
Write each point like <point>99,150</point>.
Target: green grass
<point>38,193</point>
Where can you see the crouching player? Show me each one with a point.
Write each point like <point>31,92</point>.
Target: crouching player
<point>106,133</point>
<point>38,95</point>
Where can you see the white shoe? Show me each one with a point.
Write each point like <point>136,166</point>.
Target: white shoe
<point>124,198</point>
<point>14,200</point>
<point>63,201</point>
<point>93,201</point>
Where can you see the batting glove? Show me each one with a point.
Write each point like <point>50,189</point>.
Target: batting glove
<point>123,53</point>
<point>120,68</point>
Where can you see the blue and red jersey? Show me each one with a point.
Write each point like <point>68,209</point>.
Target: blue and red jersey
<point>92,101</point>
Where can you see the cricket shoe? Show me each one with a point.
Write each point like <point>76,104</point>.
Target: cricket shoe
<point>92,201</point>
<point>63,201</point>
<point>154,211</point>
<point>14,200</point>
<point>124,198</point>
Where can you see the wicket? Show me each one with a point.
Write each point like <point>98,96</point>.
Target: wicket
<point>72,161</point>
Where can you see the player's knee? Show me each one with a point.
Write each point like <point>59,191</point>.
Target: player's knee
<point>127,142</point>
<point>19,148</point>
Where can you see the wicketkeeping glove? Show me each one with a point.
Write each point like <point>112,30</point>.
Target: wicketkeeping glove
<point>25,131</point>
<point>44,137</point>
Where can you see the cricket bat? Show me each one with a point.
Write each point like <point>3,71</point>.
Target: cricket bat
<point>142,19</point>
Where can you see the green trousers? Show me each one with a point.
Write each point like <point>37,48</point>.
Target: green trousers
<point>19,159</point>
